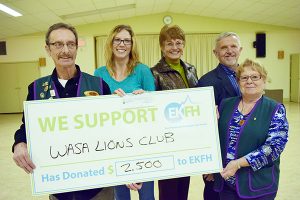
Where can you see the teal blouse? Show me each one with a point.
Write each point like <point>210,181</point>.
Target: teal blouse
<point>140,78</point>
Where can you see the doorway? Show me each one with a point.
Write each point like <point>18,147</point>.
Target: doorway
<point>14,80</point>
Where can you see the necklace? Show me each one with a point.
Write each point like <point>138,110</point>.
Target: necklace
<point>242,120</point>
<point>242,106</point>
<point>246,109</point>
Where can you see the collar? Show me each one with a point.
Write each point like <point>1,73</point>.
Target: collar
<point>74,79</point>
<point>164,67</point>
<point>227,69</point>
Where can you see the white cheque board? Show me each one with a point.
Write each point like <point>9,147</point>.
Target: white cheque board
<point>92,142</point>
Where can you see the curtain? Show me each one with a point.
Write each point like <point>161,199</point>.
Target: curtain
<point>198,50</point>
<point>149,49</point>
<point>100,44</point>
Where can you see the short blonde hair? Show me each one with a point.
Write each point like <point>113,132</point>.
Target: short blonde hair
<point>254,65</point>
<point>109,56</point>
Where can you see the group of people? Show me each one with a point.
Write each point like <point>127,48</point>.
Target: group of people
<point>253,128</point>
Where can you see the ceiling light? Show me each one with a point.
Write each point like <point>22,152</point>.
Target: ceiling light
<point>9,11</point>
<point>99,11</point>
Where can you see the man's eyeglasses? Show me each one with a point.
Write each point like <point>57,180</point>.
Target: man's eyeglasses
<point>252,77</point>
<point>178,44</point>
<point>118,41</point>
<point>60,45</point>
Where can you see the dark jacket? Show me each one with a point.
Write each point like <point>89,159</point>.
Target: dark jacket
<point>167,78</point>
<point>221,83</point>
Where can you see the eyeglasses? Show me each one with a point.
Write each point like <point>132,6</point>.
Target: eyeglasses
<point>118,41</point>
<point>60,45</point>
<point>178,44</point>
<point>252,77</point>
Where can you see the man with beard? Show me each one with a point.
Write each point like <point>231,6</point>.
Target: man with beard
<point>223,79</point>
<point>66,81</point>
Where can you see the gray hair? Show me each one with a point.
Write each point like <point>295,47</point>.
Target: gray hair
<point>227,34</point>
<point>61,26</point>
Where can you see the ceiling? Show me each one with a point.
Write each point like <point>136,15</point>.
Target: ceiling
<point>38,15</point>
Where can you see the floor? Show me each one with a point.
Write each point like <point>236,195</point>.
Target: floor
<point>15,183</point>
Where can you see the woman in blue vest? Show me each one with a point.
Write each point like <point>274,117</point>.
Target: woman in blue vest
<point>253,133</point>
<point>125,74</point>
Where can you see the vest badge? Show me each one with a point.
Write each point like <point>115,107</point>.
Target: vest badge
<point>91,93</point>
<point>42,95</point>
<point>46,86</point>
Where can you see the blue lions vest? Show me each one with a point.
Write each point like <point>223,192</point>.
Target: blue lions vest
<point>44,88</point>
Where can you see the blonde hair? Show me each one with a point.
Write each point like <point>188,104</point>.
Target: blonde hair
<point>109,56</point>
<point>254,65</point>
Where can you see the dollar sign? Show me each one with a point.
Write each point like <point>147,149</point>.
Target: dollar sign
<point>110,169</point>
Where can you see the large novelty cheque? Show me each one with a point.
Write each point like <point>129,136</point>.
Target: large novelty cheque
<point>93,142</point>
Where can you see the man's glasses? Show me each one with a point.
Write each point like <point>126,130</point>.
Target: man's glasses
<point>118,41</point>
<point>252,77</point>
<point>60,45</point>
